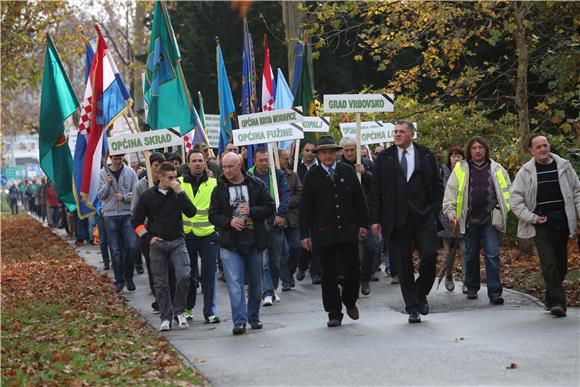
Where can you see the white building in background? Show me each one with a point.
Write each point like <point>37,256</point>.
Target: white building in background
<point>20,150</point>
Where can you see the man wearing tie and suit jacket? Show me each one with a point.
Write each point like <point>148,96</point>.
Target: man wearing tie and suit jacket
<point>406,198</point>
<point>333,208</point>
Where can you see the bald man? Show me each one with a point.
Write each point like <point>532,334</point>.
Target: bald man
<point>240,205</point>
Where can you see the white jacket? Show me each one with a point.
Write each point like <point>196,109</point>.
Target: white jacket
<point>525,188</point>
<point>498,216</point>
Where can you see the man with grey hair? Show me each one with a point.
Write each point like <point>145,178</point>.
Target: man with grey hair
<point>368,245</point>
<point>405,203</point>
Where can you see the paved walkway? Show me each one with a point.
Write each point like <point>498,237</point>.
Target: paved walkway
<point>460,343</point>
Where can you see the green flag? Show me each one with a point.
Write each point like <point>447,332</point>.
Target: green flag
<point>304,93</point>
<point>165,90</point>
<point>57,103</point>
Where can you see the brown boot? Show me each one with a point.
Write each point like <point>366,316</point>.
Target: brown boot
<point>353,313</point>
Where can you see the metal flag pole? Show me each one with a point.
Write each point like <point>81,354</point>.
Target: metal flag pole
<point>358,141</point>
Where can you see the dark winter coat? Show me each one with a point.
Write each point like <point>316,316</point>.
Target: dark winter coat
<point>261,208</point>
<point>384,202</point>
<point>332,210</point>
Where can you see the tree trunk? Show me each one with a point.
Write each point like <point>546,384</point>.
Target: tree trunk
<point>138,48</point>
<point>292,18</point>
<point>522,72</point>
<point>525,246</point>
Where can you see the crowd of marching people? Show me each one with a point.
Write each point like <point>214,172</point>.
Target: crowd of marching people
<point>207,219</point>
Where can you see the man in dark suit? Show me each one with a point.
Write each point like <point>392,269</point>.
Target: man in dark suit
<point>333,209</point>
<point>406,198</point>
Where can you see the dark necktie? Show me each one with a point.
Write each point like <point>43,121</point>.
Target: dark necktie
<point>331,172</point>
<point>404,164</point>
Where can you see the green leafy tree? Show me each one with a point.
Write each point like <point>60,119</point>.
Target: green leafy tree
<point>497,57</point>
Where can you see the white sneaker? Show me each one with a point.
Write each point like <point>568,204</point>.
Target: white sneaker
<point>267,301</point>
<point>182,320</point>
<point>165,326</point>
<point>276,296</point>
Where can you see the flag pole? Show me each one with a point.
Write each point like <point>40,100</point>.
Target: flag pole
<point>274,178</point>
<point>146,153</point>
<point>358,141</point>
<point>296,154</point>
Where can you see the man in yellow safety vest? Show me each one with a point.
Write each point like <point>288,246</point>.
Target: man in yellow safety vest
<point>477,196</point>
<point>200,236</point>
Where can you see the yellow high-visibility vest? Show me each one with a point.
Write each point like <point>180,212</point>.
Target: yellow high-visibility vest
<point>199,225</point>
<point>460,175</point>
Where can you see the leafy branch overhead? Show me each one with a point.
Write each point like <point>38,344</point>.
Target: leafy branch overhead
<point>463,52</point>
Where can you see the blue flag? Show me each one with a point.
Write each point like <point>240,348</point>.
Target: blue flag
<point>249,94</point>
<point>226,102</point>
<point>298,56</point>
<point>284,99</point>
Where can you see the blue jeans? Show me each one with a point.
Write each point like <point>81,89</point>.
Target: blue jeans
<point>124,246</point>
<point>82,228</point>
<point>271,260</point>
<point>474,235</point>
<point>103,240</point>
<point>55,216</point>
<point>234,265</point>
<point>290,256</point>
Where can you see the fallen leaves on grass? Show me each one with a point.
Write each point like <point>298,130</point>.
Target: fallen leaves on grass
<point>63,324</point>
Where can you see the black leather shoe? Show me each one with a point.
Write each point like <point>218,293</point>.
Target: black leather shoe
<point>496,301</point>
<point>471,294</point>
<point>139,269</point>
<point>425,309</point>
<point>255,324</point>
<point>333,323</point>
<point>239,329</point>
<point>365,288</point>
<point>414,318</point>
<point>130,284</point>
<point>286,286</point>
<point>558,311</point>
<point>300,275</point>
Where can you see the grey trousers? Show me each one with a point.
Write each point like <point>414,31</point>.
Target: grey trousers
<point>161,252</point>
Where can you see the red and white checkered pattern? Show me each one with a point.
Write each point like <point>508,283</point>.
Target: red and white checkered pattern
<point>85,121</point>
<point>267,81</point>
<point>269,105</point>
<point>188,140</point>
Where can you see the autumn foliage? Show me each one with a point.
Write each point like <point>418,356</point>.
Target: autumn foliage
<point>63,324</point>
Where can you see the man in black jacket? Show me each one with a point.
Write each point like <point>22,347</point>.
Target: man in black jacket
<point>240,205</point>
<point>368,246</point>
<point>162,206</point>
<point>334,210</point>
<point>406,198</point>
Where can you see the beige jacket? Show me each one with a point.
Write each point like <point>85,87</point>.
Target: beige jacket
<point>525,188</point>
<point>498,216</point>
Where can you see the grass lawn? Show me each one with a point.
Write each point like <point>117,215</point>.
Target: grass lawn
<point>63,324</point>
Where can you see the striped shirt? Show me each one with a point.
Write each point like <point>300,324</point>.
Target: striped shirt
<point>549,197</point>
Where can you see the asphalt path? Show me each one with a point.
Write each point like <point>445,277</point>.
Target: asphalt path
<point>461,342</point>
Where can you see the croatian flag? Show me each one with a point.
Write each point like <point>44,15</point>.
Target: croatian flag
<point>268,84</point>
<point>104,102</point>
<point>81,143</point>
